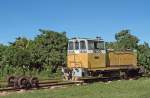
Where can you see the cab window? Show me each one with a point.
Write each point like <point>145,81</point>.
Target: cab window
<point>95,45</point>
<point>82,45</point>
<point>76,45</point>
<point>99,45</point>
<point>70,46</point>
<point>90,45</point>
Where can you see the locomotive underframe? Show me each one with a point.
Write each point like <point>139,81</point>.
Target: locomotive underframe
<point>78,73</point>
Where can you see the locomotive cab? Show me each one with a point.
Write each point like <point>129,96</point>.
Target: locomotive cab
<point>85,54</point>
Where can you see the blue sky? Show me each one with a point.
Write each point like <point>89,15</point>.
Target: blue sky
<point>80,18</point>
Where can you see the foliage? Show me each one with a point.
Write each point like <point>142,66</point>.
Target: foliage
<point>52,48</point>
<point>47,49</point>
<point>125,40</point>
<point>2,49</point>
<point>144,55</point>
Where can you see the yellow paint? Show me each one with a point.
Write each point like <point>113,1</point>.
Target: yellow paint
<point>86,60</point>
<point>100,61</point>
<point>121,59</point>
<point>96,60</point>
<point>78,60</point>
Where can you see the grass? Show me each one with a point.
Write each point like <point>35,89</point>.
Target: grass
<point>116,89</point>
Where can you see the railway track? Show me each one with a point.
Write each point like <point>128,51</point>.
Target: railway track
<point>43,85</point>
<point>53,83</point>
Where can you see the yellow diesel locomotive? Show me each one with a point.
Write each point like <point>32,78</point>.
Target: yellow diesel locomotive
<point>89,58</point>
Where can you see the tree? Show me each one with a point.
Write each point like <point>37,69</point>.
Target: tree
<point>125,40</point>
<point>2,49</point>
<point>18,54</point>
<point>21,43</point>
<point>144,55</point>
<point>50,48</point>
<point>47,49</point>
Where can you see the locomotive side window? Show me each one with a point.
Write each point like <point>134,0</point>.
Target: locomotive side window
<point>70,46</point>
<point>82,45</point>
<point>90,45</point>
<point>95,45</point>
<point>102,45</point>
<point>99,45</point>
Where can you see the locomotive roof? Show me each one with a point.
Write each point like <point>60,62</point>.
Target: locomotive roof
<point>92,39</point>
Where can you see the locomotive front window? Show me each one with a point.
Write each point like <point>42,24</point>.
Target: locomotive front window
<point>70,46</point>
<point>82,45</point>
<point>76,45</point>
